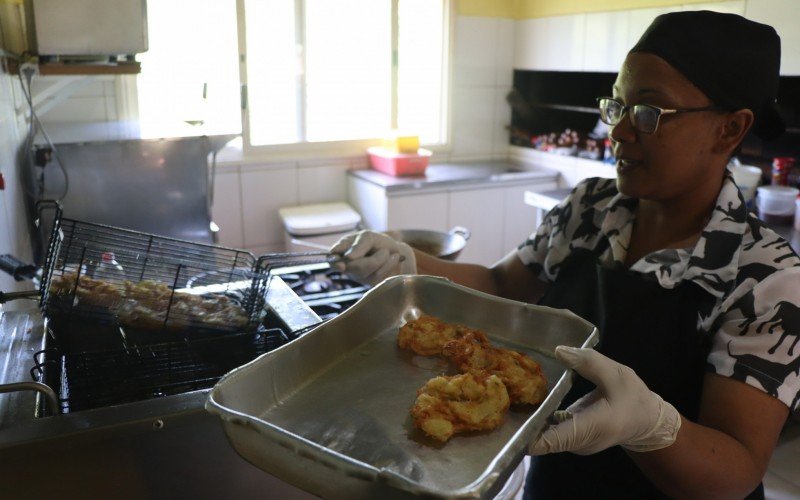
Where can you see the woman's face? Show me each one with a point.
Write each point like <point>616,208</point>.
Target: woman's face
<point>676,159</point>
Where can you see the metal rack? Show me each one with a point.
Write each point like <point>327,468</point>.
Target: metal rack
<point>188,285</point>
<point>95,352</point>
<point>96,379</point>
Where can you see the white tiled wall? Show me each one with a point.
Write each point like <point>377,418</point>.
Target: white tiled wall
<point>14,237</point>
<point>94,101</point>
<point>247,197</point>
<point>482,77</point>
<point>227,207</point>
<point>323,182</point>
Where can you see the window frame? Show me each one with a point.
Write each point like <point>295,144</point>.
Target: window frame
<point>306,149</point>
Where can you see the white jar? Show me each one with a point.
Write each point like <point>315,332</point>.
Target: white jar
<point>797,215</point>
<point>776,204</point>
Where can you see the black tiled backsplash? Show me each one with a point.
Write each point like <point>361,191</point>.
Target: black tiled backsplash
<point>564,99</point>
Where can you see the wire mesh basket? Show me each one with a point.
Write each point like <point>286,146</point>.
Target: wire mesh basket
<point>116,276</point>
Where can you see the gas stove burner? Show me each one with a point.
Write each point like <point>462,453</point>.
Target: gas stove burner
<point>326,291</point>
<point>318,283</point>
<point>315,282</point>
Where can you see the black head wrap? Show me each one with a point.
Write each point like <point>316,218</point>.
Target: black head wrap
<point>733,60</point>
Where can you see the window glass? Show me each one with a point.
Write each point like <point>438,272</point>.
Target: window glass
<point>317,70</point>
<point>348,69</point>
<point>190,73</point>
<point>421,65</point>
<point>327,76</point>
<point>274,71</point>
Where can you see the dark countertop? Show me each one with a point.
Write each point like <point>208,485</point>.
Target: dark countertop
<point>450,175</point>
<point>791,234</point>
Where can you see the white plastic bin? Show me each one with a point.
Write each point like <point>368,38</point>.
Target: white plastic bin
<point>747,178</point>
<point>776,204</point>
<point>317,227</point>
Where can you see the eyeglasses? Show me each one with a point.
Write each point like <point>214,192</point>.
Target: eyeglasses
<point>644,117</point>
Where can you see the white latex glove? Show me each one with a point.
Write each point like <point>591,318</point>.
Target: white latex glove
<point>371,257</point>
<point>621,410</point>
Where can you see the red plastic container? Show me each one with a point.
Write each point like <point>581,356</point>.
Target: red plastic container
<point>399,164</point>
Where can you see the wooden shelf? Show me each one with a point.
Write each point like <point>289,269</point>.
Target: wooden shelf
<point>57,68</point>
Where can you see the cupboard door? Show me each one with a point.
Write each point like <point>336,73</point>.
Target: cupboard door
<point>370,201</point>
<point>728,6</point>
<point>521,219</point>
<point>639,20</point>
<point>530,44</point>
<point>606,41</point>
<point>420,211</point>
<point>481,211</point>
<point>550,43</point>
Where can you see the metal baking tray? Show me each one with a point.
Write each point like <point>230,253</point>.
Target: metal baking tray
<point>329,411</point>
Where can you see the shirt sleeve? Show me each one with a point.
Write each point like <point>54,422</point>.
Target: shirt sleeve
<point>549,244</point>
<point>757,341</point>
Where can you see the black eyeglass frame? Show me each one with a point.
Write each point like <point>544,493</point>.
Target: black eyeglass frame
<point>660,111</point>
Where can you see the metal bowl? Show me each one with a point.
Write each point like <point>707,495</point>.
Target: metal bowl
<point>437,243</point>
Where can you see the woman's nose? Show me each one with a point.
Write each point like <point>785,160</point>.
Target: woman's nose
<point>623,131</point>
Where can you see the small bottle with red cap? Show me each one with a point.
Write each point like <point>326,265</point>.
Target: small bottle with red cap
<point>782,167</point>
<point>608,152</point>
<point>109,269</point>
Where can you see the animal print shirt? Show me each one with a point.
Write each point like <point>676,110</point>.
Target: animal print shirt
<point>750,270</point>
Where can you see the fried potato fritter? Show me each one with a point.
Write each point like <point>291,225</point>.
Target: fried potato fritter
<point>427,335</point>
<point>460,403</point>
<point>521,375</point>
<point>146,304</point>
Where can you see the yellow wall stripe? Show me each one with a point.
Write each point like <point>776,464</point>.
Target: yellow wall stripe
<point>488,8</point>
<point>526,9</point>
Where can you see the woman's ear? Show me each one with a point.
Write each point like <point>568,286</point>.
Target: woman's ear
<point>735,125</point>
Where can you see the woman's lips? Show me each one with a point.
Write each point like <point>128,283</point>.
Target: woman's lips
<point>625,165</point>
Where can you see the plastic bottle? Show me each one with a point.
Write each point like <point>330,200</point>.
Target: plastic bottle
<point>608,153</point>
<point>781,167</point>
<point>797,214</point>
<point>109,269</point>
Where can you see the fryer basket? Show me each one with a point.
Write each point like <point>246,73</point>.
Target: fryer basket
<point>165,284</point>
<point>137,338</point>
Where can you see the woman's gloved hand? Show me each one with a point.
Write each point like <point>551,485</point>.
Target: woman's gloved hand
<point>620,411</point>
<point>371,257</point>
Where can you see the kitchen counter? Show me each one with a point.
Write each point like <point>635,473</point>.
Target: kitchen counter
<point>21,335</point>
<point>449,175</point>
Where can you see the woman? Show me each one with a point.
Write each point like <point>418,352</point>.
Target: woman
<point>692,380</point>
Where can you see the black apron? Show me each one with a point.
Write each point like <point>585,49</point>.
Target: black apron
<point>646,327</point>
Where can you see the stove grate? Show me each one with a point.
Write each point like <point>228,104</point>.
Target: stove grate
<point>105,378</point>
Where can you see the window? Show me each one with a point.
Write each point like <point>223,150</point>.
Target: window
<point>190,74</point>
<point>315,71</point>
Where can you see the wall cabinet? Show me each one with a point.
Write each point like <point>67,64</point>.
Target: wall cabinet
<point>600,41</point>
<point>606,42</point>
<point>496,215</point>
<point>781,15</point>
<point>550,43</point>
